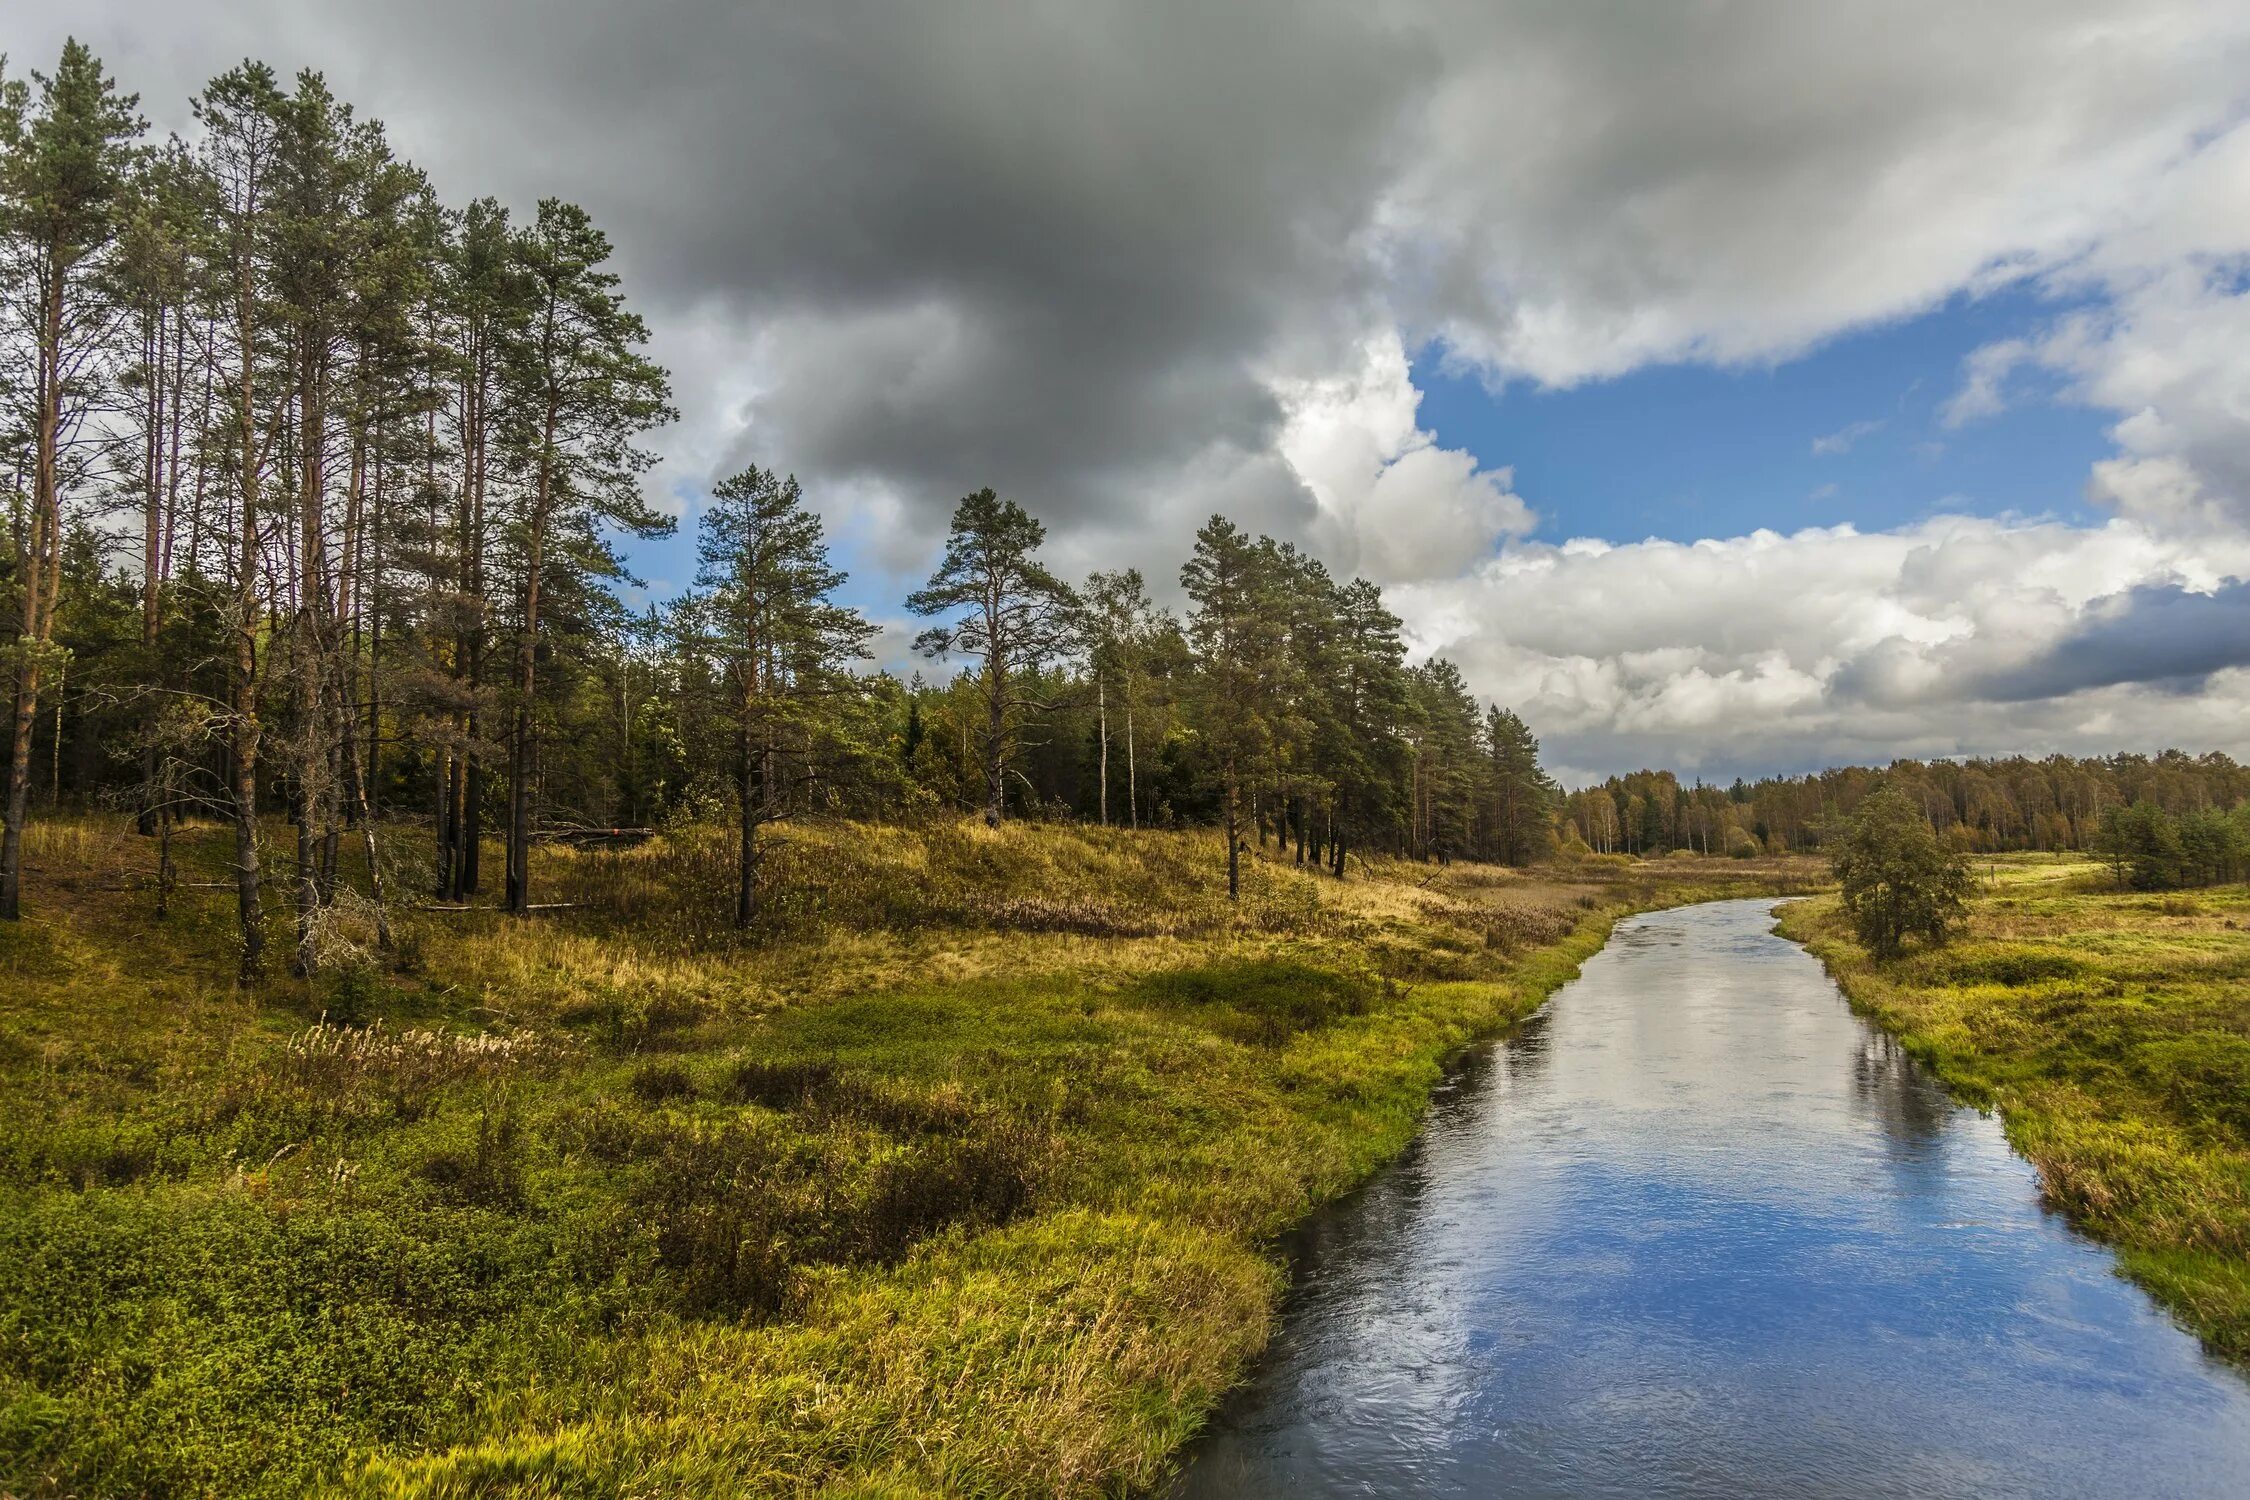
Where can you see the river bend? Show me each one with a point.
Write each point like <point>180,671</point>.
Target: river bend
<point>1696,1230</point>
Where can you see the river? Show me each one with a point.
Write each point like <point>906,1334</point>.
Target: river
<point>1696,1230</point>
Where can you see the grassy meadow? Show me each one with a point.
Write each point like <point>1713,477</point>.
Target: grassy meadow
<point>964,1178</point>
<point>2111,1029</point>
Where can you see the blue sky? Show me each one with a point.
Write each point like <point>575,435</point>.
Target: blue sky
<point>1686,451</point>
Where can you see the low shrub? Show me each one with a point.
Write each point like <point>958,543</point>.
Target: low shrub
<point>489,1172</point>
<point>662,1083</point>
<point>1259,1001</point>
<point>2014,968</point>
<point>779,1084</point>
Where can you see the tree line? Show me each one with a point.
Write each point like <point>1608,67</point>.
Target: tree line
<point>317,487</point>
<point>1976,805</point>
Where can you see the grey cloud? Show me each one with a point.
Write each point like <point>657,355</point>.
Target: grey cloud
<point>1124,212</point>
<point>1035,246</point>
<point>2157,635</point>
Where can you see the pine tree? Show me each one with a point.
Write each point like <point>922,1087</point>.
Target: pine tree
<point>579,393</point>
<point>1238,629</point>
<point>1366,706</point>
<point>1015,617</point>
<point>66,159</point>
<point>1523,795</point>
<point>239,112</point>
<point>782,646</point>
<point>486,297</point>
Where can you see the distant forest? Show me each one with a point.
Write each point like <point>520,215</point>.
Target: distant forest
<point>1978,805</point>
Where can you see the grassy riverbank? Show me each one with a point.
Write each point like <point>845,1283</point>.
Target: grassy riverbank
<point>963,1180</point>
<point>2112,1030</point>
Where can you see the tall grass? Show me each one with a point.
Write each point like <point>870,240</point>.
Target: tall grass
<point>958,1174</point>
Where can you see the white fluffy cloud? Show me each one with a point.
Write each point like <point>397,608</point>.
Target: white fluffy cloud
<point>1393,505</point>
<point>1771,651</point>
<point>1589,191</point>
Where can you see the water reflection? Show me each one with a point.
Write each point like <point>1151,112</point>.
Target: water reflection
<point>1525,1053</point>
<point>1912,1106</point>
<point>1697,1231</point>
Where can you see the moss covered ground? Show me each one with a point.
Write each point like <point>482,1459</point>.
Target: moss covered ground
<point>2111,1029</point>
<point>964,1178</point>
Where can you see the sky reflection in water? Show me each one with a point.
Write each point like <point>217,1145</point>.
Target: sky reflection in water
<point>1696,1230</point>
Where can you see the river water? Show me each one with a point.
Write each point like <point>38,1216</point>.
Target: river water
<point>1696,1230</point>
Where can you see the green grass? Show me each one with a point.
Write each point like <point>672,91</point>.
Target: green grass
<point>970,1187</point>
<point>2112,1031</point>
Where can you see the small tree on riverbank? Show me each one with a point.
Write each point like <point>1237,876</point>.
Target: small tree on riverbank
<point>1899,881</point>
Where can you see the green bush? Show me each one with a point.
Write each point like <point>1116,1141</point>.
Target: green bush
<point>1899,881</point>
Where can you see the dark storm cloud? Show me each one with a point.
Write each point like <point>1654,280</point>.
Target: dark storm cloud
<point>1024,244</point>
<point>2157,635</point>
<point>1058,246</point>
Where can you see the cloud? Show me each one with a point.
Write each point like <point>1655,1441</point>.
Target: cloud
<point>1591,191</point>
<point>1842,439</point>
<point>1113,222</point>
<point>1772,651</point>
<point>2157,635</point>
<point>1132,261</point>
<point>1393,505</point>
<point>1983,374</point>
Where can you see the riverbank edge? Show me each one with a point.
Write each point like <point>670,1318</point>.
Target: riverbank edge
<point>1529,983</point>
<point>2202,1292</point>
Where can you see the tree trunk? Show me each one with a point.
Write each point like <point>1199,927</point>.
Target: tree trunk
<point>995,725</point>
<point>527,679</point>
<point>447,790</point>
<point>311,751</point>
<point>167,874</point>
<point>1101,697</point>
<point>1132,780</point>
<point>371,784</point>
<point>368,846</point>
<point>42,583</point>
<point>152,551</point>
<point>1234,835</point>
<point>746,887</point>
<point>54,746</point>
<point>247,730</point>
<point>468,822</point>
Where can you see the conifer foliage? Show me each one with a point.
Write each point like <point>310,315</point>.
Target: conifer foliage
<point>317,489</point>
